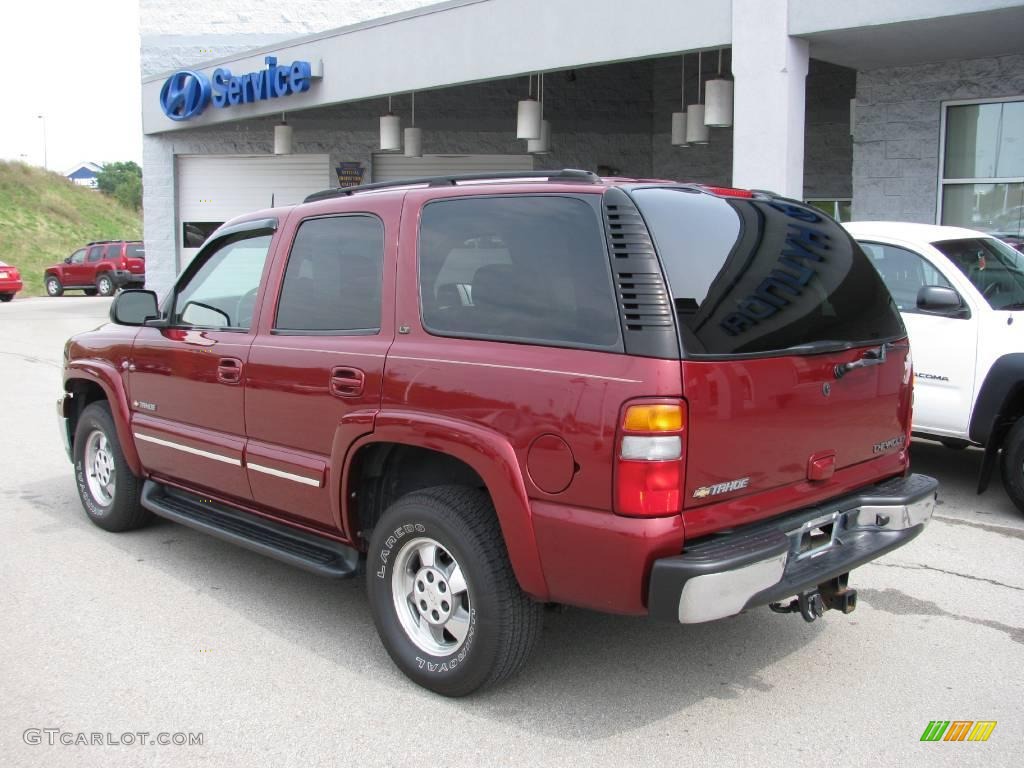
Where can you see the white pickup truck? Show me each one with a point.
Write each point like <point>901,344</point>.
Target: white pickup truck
<point>961,294</point>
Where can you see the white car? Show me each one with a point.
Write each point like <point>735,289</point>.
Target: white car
<point>961,294</point>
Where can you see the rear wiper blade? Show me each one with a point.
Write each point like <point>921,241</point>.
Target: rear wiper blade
<point>819,347</point>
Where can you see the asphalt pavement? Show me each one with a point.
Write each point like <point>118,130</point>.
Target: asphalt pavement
<point>167,631</point>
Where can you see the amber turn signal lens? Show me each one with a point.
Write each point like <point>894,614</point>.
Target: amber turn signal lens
<point>653,418</point>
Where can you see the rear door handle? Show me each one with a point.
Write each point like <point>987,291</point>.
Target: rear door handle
<point>229,370</point>
<point>347,382</point>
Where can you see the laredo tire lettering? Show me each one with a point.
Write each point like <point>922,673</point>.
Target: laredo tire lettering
<point>125,511</point>
<point>503,624</point>
<point>389,544</point>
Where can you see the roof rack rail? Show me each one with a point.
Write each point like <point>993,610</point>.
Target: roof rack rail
<point>565,174</point>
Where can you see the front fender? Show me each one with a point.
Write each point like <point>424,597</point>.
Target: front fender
<point>108,378</point>
<point>492,457</point>
<point>1003,386</point>
<point>1004,381</point>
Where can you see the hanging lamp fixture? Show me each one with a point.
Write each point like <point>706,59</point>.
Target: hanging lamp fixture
<point>413,135</point>
<point>718,95</point>
<point>679,118</point>
<point>528,116</point>
<point>282,137</point>
<point>696,131</point>
<point>542,144</point>
<point>390,131</point>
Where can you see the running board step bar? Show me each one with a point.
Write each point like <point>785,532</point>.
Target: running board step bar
<point>312,553</point>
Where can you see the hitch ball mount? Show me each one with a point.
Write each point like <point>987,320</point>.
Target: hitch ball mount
<point>812,604</point>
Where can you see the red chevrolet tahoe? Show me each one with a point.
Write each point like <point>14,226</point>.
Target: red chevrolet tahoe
<point>99,268</point>
<point>634,396</point>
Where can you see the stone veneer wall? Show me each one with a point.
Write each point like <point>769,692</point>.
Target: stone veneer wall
<point>896,134</point>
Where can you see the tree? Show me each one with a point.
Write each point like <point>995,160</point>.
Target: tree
<point>123,182</point>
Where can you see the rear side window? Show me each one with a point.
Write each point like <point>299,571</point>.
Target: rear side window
<point>114,251</point>
<point>524,268</point>
<point>903,272</point>
<point>755,276</point>
<point>333,279</point>
<point>135,251</point>
<point>96,253</point>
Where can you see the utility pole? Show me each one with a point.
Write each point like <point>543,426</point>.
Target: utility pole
<point>46,165</point>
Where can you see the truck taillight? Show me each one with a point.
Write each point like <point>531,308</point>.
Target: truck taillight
<point>649,461</point>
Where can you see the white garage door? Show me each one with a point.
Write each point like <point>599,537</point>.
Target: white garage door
<point>215,188</point>
<point>389,167</point>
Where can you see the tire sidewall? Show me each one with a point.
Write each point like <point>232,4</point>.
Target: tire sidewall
<point>1012,467</point>
<point>471,665</point>
<point>92,419</point>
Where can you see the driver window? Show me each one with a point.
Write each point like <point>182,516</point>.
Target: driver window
<point>78,257</point>
<point>221,293</point>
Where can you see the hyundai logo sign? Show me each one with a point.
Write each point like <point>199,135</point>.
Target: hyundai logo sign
<point>185,94</point>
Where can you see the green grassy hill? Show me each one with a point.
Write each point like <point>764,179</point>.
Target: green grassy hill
<point>44,217</point>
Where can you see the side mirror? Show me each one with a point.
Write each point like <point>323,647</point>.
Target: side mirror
<point>939,300</point>
<point>67,260</point>
<point>134,307</point>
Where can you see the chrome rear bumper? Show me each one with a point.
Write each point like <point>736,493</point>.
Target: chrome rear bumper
<point>766,562</point>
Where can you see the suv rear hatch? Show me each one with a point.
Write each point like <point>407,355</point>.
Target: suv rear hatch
<point>773,301</point>
<point>135,258</point>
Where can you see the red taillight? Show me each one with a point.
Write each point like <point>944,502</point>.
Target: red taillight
<point>649,459</point>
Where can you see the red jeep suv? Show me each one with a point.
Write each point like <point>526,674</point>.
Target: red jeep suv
<point>640,397</point>
<point>99,268</point>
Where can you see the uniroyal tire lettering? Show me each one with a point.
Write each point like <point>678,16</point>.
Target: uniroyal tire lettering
<point>451,664</point>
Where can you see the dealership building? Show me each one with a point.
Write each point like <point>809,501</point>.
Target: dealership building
<point>909,111</point>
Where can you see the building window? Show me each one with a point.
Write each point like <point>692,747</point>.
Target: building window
<point>982,172</point>
<point>838,209</point>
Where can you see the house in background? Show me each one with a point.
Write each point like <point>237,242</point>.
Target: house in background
<point>84,174</point>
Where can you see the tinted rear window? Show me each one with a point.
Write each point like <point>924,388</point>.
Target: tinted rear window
<point>526,268</point>
<point>135,251</point>
<point>754,276</point>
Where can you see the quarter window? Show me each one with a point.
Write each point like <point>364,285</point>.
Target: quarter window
<point>526,268</point>
<point>903,272</point>
<point>221,292</point>
<point>333,279</point>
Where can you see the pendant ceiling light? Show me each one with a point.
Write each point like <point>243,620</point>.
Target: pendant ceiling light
<point>696,131</point>
<point>718,93</point>
<point>542,144</point>
<point>390,131</point>
<point>282,137</point>
<point>413,135</point>
<point>528,116</point>
<point>679,118</point>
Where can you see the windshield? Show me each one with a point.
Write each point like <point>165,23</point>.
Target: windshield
<point>762,276</point>
<point>993,267</point>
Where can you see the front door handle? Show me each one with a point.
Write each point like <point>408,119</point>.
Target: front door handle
<point>229,370</point>
<point>347,382</point>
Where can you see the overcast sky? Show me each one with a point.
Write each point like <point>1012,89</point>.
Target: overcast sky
<point>77,63</point>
